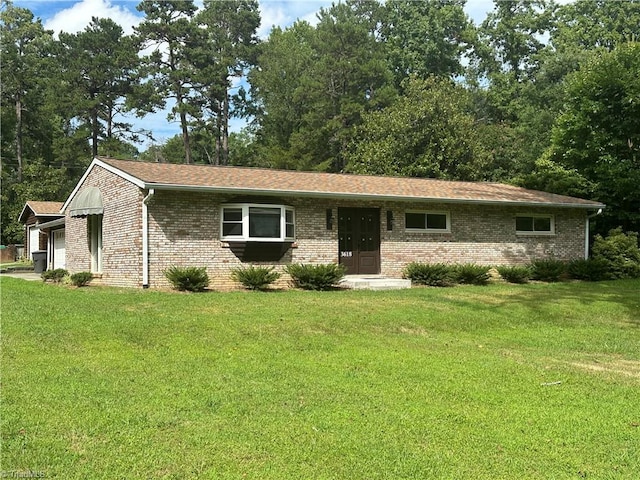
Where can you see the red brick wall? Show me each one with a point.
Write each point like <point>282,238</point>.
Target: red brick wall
<point>184,230</point>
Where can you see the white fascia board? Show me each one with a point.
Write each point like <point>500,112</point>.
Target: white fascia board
<point>36,213</point>
<point>97,162</point>
<point>22,212</point>
<point>359,196</point>
<point>52,223</point>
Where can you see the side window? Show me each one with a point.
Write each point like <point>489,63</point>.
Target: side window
<point>437,222</point>
<point>535,224</point>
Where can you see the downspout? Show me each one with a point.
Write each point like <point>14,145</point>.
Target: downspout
<point>586,233</point>
<point>145,238</point>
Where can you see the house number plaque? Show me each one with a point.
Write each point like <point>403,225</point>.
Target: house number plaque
<point>346,254</point>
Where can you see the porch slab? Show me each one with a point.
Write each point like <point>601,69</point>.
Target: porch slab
<point>374,282</point>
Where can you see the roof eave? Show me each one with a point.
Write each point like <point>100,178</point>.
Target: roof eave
<point>362,196</point>
<point>52,223</point>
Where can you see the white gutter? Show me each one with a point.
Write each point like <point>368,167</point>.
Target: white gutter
<point>586,233</point>
<point>145,238</point>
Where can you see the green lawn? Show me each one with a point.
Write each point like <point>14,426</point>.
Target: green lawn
<point>538,381</point>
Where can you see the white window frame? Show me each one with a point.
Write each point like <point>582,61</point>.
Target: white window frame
<point>245,207</point>
<point>425,213</point>
<point>552,224</point>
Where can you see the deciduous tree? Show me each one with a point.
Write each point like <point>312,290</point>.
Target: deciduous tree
<point>598,134</point>
<point>426,133</point>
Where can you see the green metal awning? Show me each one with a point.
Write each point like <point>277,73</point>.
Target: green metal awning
<point>86,202</point>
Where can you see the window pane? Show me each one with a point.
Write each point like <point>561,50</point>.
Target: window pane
<point>234,229</point>
<point>264,222</point>
<point>437,221</point>
<point>524,224</point>
<point>232,215</point>
<point>415,220</point>
<point>289,224</point>
<point>542,224</point>
<point>291,231</point>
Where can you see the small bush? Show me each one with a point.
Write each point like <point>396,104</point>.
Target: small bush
<point>255,278</point>
<point>515,274</point>
<point>190,279</point>
<point>315,277</point>
<point>81,279</point>
<point>591,270</point>
<point>472,274</point>
<point>549,270</point>
<point>55,276</point>
<point>431,274</point>
<point>621,253</point>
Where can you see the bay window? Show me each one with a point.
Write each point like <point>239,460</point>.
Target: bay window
<point>259,223</point>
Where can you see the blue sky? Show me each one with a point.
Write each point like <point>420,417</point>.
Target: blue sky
<point>74,15</point>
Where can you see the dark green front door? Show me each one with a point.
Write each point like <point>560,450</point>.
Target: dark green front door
<point>359,240</point>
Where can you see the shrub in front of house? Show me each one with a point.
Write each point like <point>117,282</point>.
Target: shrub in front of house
<point>55,276</point>
<point>548,270</point>
<point>591,270</point>
<point>81,279</point>
<point>189,279</point>
<point>515,273</point>
<point>255,278</point>
<point>316,277</point>
<point>430,274</point>
<point>621,253</point>
<point>471,274</point>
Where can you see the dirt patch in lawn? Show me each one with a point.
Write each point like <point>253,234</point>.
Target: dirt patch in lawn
<point>629,368</point>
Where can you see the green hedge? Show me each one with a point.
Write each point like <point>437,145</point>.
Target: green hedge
<point>515,274</point>
<point>81,279</point>
<point>316,277</point>
<point>620,252</point>
<point>255,278</point>
<point>191,279</point>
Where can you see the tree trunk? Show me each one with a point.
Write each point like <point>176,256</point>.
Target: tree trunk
<point>225,129</point>
<point>19,135</point>
<point>94,133</point>
<point>218,131</point>
<point>185,137</point>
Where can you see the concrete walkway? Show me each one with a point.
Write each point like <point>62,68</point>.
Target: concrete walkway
<point>374,282</point>
<point>23,275</point>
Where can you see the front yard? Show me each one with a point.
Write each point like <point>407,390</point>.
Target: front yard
<point>534,381</point>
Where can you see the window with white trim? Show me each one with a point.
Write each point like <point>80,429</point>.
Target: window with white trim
<point>438,222</point>
<point>535,224</point>
<point>251,222</point>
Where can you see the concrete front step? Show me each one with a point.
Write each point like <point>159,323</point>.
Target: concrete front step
<point>374,282</point>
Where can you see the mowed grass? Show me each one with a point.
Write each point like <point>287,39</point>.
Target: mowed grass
<point>534,381</point>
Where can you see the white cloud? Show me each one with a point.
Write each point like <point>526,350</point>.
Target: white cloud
<point>78,16</point>
<point>285,13</point>
<point>272,15</point>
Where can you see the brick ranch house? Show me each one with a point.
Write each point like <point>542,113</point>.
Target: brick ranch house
<point>128,221</point>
